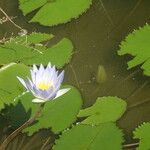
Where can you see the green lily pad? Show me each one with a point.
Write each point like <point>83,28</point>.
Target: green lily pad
<point>10,87</point>
<point>137,44</point>
<point>55,12</point>
<point>57,114</point>
<point>85,137</point>
<point>30,49</point>
<point>106,109</point>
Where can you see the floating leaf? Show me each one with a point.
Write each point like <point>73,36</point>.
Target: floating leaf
<point>137,44</point>
<point>29,50</point>
<point>143,133</point>
<point>54,12</point>
<point>106,109</point>
<point>9,84</point>
<point>85,137</point>
<point>33,38</point>
<point>57,115</point>
<point>59,55</point>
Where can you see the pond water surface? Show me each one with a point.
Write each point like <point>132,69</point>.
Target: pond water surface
<point>96,36</point>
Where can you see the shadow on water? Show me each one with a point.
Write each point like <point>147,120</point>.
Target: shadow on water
<point>96,36</point>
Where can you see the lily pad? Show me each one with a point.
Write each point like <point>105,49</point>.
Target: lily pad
<point>10,87</point>
<point>106,109</point>
<point>137,44</point>
<point>55,12</point>
<point>143,133</point>
<point>57,115</point>
<point>106,136</point>
<point>30,49</point>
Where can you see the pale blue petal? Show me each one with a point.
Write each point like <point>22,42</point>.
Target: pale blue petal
<point>29,85</point>
<point>51,93</point>
<point>42,94</point>
<point>41,67</point>
<point>61,76</point>
<point>61,92</point>
<point>22,81</point>
<point>37,93</point>
<point>30,82</point>
<point>33,76</point>
<point>53,73</point>
<point>49,65</point>
<point>46,75</point>
<point>26,83</point>
<point>39,75</point>
<point>56,89</point>
<point>48,93</point>
<point>59,80</point>
<point>35,68</point>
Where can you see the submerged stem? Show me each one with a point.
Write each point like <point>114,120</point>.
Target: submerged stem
<point>18,130</point>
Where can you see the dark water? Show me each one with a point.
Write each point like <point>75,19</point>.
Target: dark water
<point>96,36</point>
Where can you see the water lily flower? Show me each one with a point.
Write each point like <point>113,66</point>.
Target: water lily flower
<point>45,83</point>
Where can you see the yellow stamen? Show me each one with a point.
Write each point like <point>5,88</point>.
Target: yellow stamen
<point>44,86</point>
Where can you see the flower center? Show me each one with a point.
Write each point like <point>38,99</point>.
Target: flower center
<point>44,86</point>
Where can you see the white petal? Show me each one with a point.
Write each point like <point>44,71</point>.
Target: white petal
<point>41,69</point>
<point>61,76</point>
<point>49,65</point>
<point>39,74</point>
<point>61,92</point>
<point>35,68</point>
<point>33,76</point>
<point>22,81</point>
<point>36,100</point>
